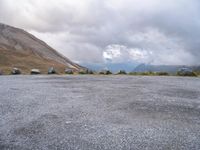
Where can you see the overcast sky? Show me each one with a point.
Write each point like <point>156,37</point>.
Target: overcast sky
<point>112,31</point>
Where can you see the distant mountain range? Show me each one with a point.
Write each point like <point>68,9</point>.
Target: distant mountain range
<point>19,48</point>
<point>163,68</point>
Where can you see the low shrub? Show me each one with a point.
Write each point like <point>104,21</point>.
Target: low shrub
<point>162,73</point>
<point>89,72</point>
<point>149,73</point>
<point>82,72</point>
<point>187,73</point>
<point>86,72</point>
<point>122,72</point>
<point>105,72</point>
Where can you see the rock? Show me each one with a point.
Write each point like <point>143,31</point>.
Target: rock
<point>35,71</point>
<point>51,70</point>
<point>1,72</point>
<point>15,71</point>
<point>186,72</point>
<point>69,71</point>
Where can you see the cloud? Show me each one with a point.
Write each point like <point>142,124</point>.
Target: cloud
<point>115,31</point>
<point>123,54</point>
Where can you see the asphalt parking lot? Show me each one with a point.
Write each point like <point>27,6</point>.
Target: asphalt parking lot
<point>99,113</point>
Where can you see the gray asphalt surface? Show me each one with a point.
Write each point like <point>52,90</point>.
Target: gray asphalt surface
<point>99,112</point>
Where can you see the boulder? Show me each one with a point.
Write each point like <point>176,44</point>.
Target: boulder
<point>1,72</point>
<point>51,70</point>
<point>69,71</point>
<point>15,71</point>
<point>35,71</point>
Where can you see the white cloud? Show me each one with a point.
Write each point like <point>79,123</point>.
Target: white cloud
<point>92,31</point>
<point>120,53</point>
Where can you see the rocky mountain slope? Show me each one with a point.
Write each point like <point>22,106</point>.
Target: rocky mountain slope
<point>19,48</point>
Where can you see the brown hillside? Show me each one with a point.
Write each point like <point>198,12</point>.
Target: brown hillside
<point>21,49</point>
<point>26,62</point>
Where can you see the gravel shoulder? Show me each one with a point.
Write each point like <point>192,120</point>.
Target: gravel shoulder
<point>99,112</point>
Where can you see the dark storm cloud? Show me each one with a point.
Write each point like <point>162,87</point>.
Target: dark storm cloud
<point>151,31</point>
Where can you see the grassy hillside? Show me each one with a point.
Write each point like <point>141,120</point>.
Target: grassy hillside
<point>26,62</point>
